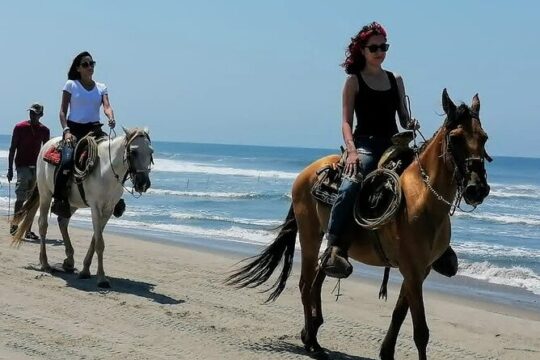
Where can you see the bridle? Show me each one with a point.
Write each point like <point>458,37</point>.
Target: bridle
<point>132,171</point>
<point>460,168</point>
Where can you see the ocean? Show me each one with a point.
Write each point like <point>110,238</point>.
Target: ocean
<point>232,195</point>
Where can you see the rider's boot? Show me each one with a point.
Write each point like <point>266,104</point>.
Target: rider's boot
<point>335,261</point>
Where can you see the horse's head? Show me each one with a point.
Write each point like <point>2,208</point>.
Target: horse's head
<point>465,141</point>
<point>139,158</point>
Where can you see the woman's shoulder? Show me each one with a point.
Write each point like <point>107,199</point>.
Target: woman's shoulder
<point>101,87</point>
<point>351,81</point>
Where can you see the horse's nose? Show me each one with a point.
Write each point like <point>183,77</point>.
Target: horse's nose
<point>476,193</point>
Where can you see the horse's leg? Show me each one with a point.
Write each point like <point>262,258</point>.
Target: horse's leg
<point>399,314</point>
<point>69,263</point>
<point>416,303</point>
<point>85,273</point>
<point>316,290</point>
<point>99,219</point>
<point>44,205</point>
<point>310,240</point>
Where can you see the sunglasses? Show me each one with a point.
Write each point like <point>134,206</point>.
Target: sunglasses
<point>373,48</point>
<point>88,64</point>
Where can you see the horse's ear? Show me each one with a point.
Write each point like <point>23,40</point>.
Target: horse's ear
<point>126,131</point>
<point>475,104</point>
<point>449,108</point>
<point>147,132</point>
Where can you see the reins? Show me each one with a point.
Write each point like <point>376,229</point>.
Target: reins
<point>124,159</point>
<point>456,202</point>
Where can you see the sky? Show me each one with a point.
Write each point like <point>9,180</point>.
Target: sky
<point>267,72</point>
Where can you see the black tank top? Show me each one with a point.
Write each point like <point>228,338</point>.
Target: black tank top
<point>376,110</point>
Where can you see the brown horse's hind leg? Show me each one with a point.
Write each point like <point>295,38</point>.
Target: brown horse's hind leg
<point>310,241</point>
<point>399,314</point>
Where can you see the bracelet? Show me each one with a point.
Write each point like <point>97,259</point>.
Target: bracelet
<point>66,129</point>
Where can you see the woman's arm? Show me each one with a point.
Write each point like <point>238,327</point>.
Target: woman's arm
<point>108,110</point>
<point>350,89</point>
<point>403,110</point>
<point>66,98</point>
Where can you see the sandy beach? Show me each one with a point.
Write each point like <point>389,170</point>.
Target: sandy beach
<point>169,302</point>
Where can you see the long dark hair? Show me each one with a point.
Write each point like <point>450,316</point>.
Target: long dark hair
<point>73,74</point>
<point>354,59</point>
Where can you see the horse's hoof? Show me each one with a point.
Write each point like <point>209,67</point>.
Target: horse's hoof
<point>104,284</point>
<point>68,267</point>
<point>84,275</point>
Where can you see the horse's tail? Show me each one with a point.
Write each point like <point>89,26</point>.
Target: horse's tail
<point>259,270</point>
<point>25,216</point>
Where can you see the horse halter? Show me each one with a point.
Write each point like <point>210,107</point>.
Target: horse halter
<point>128,158</point>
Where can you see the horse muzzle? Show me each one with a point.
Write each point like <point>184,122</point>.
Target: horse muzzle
<point>475,193</point>
<point>141,182</point>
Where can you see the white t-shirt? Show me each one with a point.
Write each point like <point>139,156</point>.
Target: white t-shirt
<point>84,105</point>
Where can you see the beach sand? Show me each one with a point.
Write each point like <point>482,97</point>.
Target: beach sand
<point>169,302</point>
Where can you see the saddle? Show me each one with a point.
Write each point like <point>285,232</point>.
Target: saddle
<point>380,194</point>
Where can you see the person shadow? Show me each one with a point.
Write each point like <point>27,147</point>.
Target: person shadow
<point>118,285</point>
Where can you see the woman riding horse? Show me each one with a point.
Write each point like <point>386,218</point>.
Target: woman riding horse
<point>83,97</point>
<point>374,95</point>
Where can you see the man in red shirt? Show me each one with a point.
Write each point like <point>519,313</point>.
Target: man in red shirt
<point>28,137</point>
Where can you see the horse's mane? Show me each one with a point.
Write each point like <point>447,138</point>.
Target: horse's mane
<point>461,111</point>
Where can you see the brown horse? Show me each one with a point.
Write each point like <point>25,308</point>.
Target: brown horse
<point>450,164</point>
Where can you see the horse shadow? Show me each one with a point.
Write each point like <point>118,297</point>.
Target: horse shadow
<point>284,346</point>
<point>51,242</point>
<point>118,285</point>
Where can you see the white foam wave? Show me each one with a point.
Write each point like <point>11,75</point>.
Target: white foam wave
<point>495,251</point>
<point>205,194</point>
<point>234,233</point>
<point>526,191</point>
<point>243,221</point>
<point>168,165</point>
<point>515,276</point>
<point>532,220</point>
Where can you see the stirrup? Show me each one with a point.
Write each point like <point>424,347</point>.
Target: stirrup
<point>335,265</point>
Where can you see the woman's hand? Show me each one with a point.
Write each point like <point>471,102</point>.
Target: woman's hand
<point>112,123</point>
<point>351,164</point>
<point>68,137</point>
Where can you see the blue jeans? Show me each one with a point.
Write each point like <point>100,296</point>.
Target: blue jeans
<point>64,171</point>
<point>370,150</point>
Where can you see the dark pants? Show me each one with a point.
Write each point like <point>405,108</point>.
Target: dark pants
<point>370,150</point>
<point>66,164</point>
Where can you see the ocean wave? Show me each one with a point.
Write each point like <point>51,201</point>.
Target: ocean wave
<point>217,218</point>
<point>495,251</point>
<point>233,233</point>
<point>216,194</point>
<point>521,191</point>
<point>531,220</point>
<point>167,165</point>
<point>4,154</point>
<point>515,276</point>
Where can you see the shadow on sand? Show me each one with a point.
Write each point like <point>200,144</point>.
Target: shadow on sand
<point>280,346</point>
<point>118,285</point>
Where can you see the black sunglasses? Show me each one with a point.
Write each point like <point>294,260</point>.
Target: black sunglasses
<point>88,64</point>
<point>373,48</point>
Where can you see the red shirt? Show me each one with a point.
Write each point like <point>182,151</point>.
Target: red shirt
<point>27,140</point>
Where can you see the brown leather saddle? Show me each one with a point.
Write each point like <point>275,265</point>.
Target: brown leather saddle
<point>396,158</point>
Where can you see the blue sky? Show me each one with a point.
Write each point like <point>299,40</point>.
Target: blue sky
<point>267,72</point>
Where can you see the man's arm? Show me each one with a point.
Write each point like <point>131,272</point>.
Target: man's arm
<point>12,150</point>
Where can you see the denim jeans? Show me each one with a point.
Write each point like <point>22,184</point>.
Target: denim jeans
<point>64,171</point>
<point>370,150</point>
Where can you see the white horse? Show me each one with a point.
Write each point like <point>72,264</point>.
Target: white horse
<point>119,158</point>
